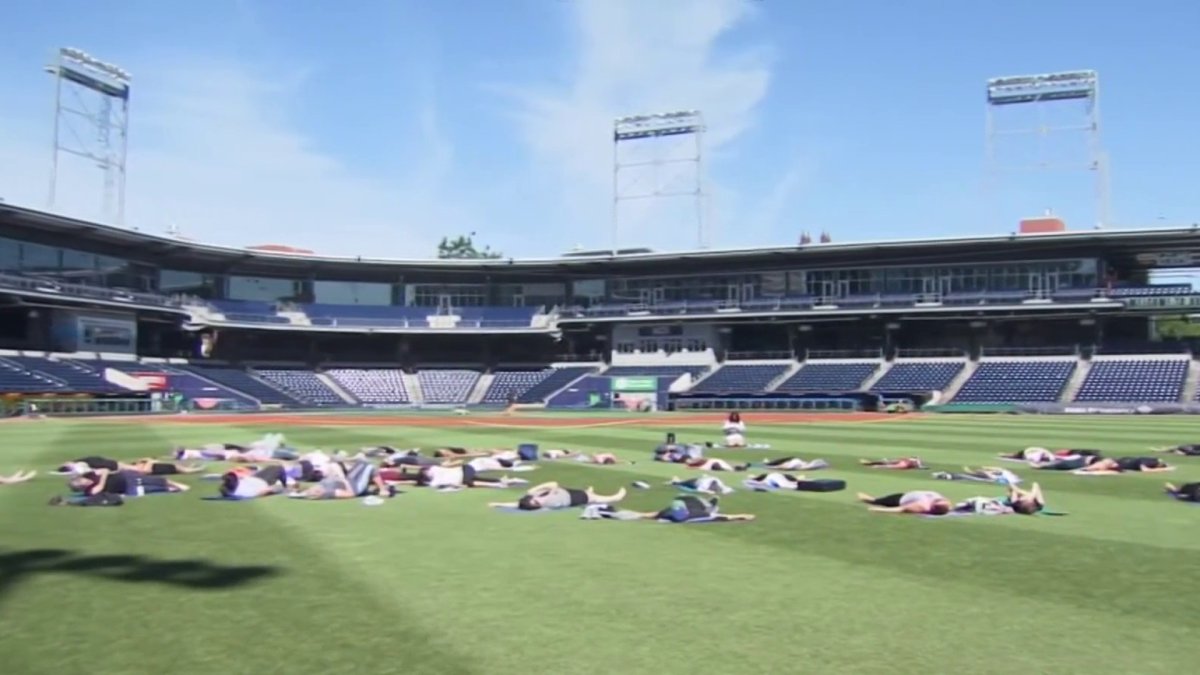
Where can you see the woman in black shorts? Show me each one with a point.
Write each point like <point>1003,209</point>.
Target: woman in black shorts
<point>553,496</point>
<point>1127,464</point>
<point>1188,492</point>
<point>127,483</point>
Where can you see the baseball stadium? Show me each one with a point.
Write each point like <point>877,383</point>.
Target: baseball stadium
<point>917,455</point>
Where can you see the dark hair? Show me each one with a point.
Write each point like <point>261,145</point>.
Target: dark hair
<point>528,503</point>
<point>1026,508</point>
<point>670,438</point>
<point>939,508</point>
<point>229,483</point>
<point>735,416</point>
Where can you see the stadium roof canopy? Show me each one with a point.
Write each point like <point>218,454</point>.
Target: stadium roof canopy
<point>1157,247</point>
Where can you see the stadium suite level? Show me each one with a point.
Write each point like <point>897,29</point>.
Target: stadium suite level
<point>116,290</point>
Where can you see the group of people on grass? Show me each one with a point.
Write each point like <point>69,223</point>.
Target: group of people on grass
<point>269,467</point>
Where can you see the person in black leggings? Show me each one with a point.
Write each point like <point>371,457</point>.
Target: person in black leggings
<point>1184,450</point>
<point>1188,492</point>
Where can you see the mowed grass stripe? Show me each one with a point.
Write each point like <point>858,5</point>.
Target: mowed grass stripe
<point>817,581</point>
<point>306,590</point>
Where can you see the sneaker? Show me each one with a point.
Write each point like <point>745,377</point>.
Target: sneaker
<point>942,475</point>
<point>641,485</point>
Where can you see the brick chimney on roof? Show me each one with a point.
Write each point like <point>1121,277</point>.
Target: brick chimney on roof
<point>1047,223</point>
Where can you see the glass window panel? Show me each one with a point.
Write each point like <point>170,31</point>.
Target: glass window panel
<point>36,257</point>
<point>261,289</point>
<point>10,255</point>
<point>352,293</point>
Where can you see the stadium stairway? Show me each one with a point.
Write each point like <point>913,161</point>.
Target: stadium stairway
<point>784,377</point>
<point>481,389</point>
<point>957,383</point>
<point>412,384</point>
<point>338,389</point>
<point>1075,384</point>
<point>1191,385</point>
<point>878,375</point>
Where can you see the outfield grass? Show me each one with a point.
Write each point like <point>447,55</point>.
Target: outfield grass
<point>435,583</point>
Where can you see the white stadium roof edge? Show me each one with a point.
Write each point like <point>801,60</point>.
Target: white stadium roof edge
<point>63,224</point>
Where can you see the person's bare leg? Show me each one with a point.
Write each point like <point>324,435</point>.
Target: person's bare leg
<point>865,498</point>
<point>594,498</point>
<point>178,487</point>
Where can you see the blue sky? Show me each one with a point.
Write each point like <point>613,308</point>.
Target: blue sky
<point>375,127</point>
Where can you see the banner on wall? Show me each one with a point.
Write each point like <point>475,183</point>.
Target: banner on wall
<point>153,381</point>
<point>1108,408</point>
<point>634,384</point>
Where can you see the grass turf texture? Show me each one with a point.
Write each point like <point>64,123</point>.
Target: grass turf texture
<point>435,583</point>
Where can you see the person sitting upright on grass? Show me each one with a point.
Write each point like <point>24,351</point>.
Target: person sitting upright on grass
<point>735,431</point>
<point>552,496</point>
<point>902,464</point>
<point>917,502</point>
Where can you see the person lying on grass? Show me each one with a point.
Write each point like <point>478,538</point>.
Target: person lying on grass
<point>226,452</point>
<point>706,464</point>
<point>147,465</point>
<point>902,464</point>
<point>1068,463</point>
<point>916,502</point>
<point>1026,502</point>
<point>447,477</point>
<point>247,483</point>
<point>339,482</point>
<point>687,509</point>
<point>1127,465</point>
<point>18,477</point>
<point>1036,455</point>
<point>1188,492</point>
<point>984,474</point>
<point>1183,450</point>
<point>794,464</point>
<point>553,496</point>
<point>603,458</point>
<point>779,480</point>
<point>129,483</point>
<point>704,484</point>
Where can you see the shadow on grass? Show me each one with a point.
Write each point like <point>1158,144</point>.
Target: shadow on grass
<point>18,566</point>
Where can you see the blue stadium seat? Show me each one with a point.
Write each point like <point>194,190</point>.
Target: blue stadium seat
<point>379,386</point>
<point>1034,381</point>
<point>447,386</point>
<point>1134,381</point>
<point>919,376</point>
<point>240,380</point>
<point>17,379</point>
<point>554,380</point>
<point>75,376</point>
<point>302,385</point>
<point>816,376</point>
<point>741,378</point>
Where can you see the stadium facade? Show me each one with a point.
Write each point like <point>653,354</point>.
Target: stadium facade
<point>1050,318</point>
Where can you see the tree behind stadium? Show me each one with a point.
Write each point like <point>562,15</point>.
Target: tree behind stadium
<point>463,248</point>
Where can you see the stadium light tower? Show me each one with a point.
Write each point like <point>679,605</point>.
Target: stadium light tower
<point>663,167</point>
<point>91,120</point>
<point>1048,94</point>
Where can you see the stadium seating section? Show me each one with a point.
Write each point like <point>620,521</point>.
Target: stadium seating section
<point>740,378</point>
<point>70,375</point>
<point>1134,380</point>
<point>239,379</point>
<point>372,386</point>
<point>1017,382</point>
<point>447,386</point>
<point>919,376</point>
<point>829,377</point>
<point>655,371</point>
<point>303,385</point>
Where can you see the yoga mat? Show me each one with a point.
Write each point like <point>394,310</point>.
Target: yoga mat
<point>515,511</point>
<point>700,521</point>
<point>760,487</point>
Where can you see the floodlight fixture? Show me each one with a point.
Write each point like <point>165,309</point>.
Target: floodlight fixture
<point>91,121</point>
<point>647,131</point>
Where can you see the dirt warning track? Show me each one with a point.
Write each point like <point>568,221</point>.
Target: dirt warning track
<point>507,421</point>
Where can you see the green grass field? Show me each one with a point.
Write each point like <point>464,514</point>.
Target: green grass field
<point>436,583</point>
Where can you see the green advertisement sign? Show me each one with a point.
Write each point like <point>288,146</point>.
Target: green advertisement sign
<point>631,384</point>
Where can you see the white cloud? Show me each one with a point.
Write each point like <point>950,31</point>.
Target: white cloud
<point>640,57</point>
<point>214,151</point>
